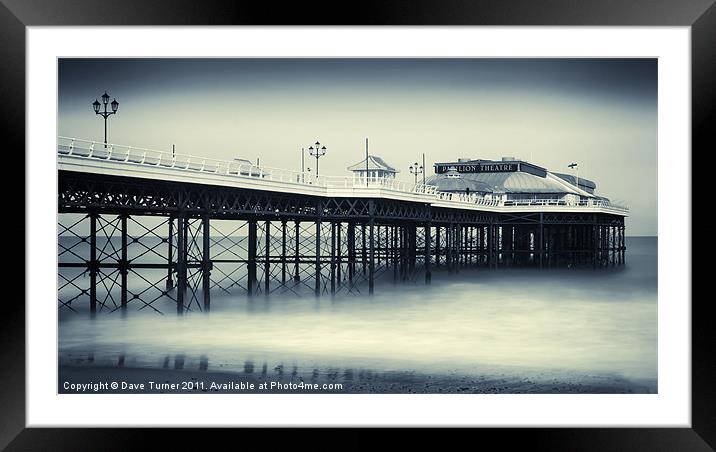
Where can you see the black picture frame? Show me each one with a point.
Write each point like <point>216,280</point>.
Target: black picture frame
<point>16,15</point>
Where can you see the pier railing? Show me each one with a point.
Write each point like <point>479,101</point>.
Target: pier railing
<point>244,169</point>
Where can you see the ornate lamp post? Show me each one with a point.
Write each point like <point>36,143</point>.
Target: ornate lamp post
<point>416,170</point>
<point>318,152</point>
<point>104,113</point>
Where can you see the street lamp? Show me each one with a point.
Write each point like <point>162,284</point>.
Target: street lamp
<point>416,170</point>
<point>104,113</point>
<point>574,166</point>
<point>318,152</point>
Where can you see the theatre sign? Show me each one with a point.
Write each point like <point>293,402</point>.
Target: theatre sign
<point>491,167</point>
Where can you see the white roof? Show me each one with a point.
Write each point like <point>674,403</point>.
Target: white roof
<point>374,163</point>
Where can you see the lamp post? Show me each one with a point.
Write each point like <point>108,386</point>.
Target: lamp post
<point>423,168</point>
<point>318,152</point>
<point>416,170</point>
<point>104,113</point>
<point>574,166</point>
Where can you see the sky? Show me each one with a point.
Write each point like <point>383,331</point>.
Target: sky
<point>600,113</point>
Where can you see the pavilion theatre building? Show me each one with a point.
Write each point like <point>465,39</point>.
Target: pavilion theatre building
<point>544,217</point>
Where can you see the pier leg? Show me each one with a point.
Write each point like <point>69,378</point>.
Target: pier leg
<point>377,244</point>
<point>614,245</point>
<point>170,249</point>
<point>364,252</point>
<point>403,252</point>
<point>206,263</point>
<point>541,239</point>
<point>251,261</point>
<point>437,246</point>
<point>283,252</point>
<point>339,254</point>
<point>394,251</point>
<point>317,288</point>
<point>471,244</point>
<point>124,264</point>
<point>428,240</point>
<point>448,247</point>
<point>371,270</point>
<point>412,247</point>
<point>492,245</point>
<point>458,247</point>
<point>333,258</point>
<point>351,251</point>
<point>93,264</point>
<point>181,263</point>
<point>267,257</point>
<point>296,257</point>
<point>623,247</point>
<point>480,247</point>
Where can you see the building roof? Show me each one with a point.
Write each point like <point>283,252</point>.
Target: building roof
<point>458,184</point>
<point>374,163</point>
<point>512,182</point>
<point>573,180</point>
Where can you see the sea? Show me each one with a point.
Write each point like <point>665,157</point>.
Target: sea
<point>522,321</point>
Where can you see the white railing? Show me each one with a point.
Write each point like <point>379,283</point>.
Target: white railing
<point>244,169</point>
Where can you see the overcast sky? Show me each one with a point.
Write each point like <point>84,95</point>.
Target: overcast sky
<point>601,113</point>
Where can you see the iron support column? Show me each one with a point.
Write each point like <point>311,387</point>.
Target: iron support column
<point>283,252</point>
<point>170,250</point>
<point>251,260</point>
<point>124,264</point>
<point>371,264</point>
<point>428,239</point>
<point>333,258</point>
<point>93,264</point>
<point>351,251</point>
<point>317,288</point>
<point>206,262</point>
<point>267,257</point>
<point>181,263</point>
<point>296,277</point>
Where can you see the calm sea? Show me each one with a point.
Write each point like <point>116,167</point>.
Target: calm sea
<point>521,320</point>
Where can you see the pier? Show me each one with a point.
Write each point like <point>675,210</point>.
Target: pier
<point>183,227</point>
